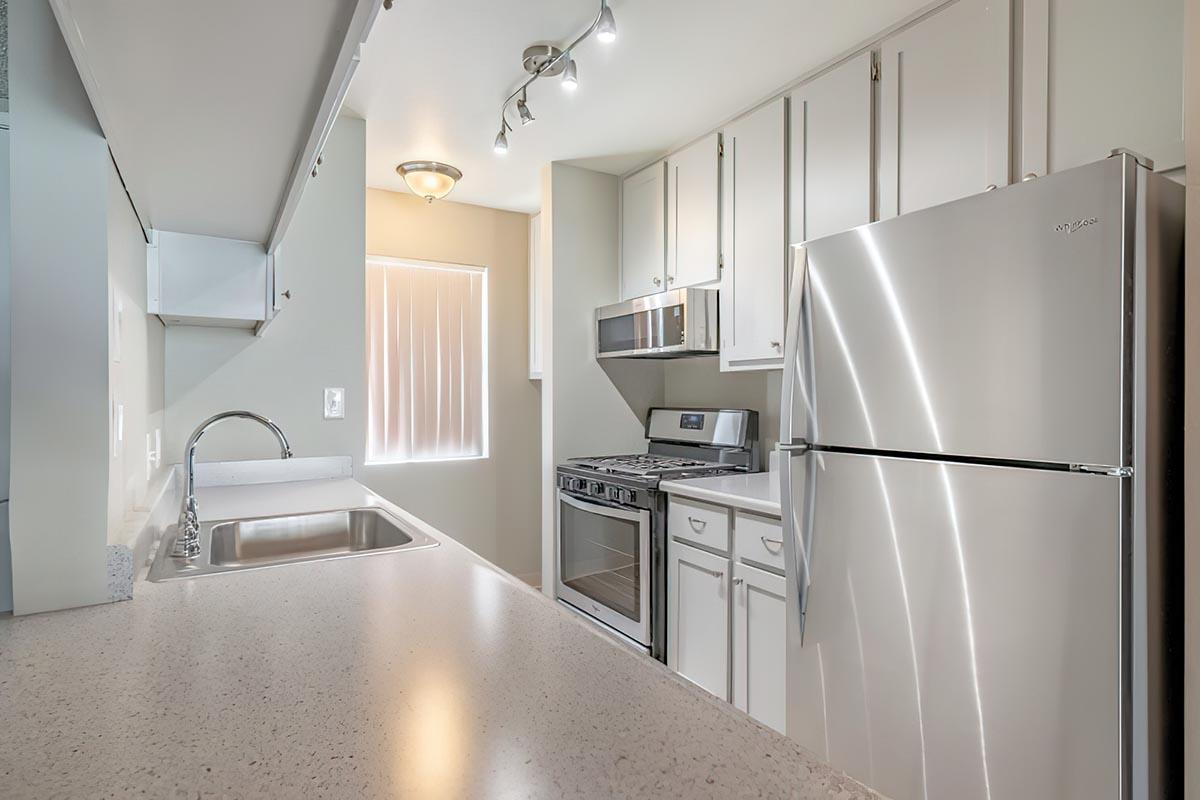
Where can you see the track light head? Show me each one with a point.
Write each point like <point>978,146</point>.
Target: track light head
<point>570,78</point>
<point>501,145</point>
<point>523,110</point>
<point>606,28</point>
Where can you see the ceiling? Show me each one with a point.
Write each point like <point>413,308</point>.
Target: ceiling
<point>207,105</point>
<point>434,73</point>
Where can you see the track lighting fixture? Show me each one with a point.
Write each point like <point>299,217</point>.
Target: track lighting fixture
<point>523,110</point>
<point>570,78</point>
<point>547,61</point>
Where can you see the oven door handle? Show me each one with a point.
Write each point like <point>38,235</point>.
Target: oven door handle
<point>603,509</point>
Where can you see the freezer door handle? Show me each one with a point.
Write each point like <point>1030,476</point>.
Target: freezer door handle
<point>797,525</point>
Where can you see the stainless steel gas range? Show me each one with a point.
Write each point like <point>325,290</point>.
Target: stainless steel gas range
<point>612,519</point>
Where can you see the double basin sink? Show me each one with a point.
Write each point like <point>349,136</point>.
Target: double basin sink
<point>242,544</point>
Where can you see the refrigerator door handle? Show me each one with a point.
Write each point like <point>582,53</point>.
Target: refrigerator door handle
<point>797,525</point>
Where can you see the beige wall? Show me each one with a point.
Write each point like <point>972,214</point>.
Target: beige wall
<point>318,340</point>
<point>491,505</point>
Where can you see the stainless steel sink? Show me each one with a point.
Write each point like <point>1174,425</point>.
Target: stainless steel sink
<point>241,544</point>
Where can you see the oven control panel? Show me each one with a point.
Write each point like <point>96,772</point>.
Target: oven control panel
<point>591,488</point>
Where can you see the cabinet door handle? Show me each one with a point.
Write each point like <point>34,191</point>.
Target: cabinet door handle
<point>716,573</point>
<point>768,542</point>
<point>658,281</point>
<point>775,345</point>
<point>738,581</point>
<point>670,279</point>
<point>698,525</point>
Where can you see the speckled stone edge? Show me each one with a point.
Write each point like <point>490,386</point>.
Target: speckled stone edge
<point>120,573</point>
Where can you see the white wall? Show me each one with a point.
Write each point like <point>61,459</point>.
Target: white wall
<point>136,347</point>
<point>589,407</point>
<point>318,339</point>
<point>59,450</point>
<point>699,382</point>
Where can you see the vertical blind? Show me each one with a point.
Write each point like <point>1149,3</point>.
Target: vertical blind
<point>426,361</point>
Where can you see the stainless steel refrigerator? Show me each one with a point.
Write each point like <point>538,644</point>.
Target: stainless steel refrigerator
<point>981,441</point>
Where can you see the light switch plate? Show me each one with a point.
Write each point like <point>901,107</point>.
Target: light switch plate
<point>335,403</point>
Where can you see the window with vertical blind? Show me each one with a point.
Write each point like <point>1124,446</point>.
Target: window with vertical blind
<point>427,393</point>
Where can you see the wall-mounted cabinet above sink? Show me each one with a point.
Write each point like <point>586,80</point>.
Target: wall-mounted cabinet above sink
<point>216,114</point>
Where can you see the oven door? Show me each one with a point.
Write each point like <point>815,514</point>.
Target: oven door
<point>604,564</point>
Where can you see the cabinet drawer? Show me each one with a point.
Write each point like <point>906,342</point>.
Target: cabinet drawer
<point>702,523</point>
<point>758,540</point>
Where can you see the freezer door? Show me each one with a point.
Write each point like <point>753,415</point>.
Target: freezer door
<point>961,636</point>
<point>990,327</point>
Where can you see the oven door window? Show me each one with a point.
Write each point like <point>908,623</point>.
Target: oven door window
<point>600,557</point>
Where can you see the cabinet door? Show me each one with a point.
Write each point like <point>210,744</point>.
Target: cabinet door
<point>831,152</point>
<point>698,617</point>
<point>643,232</point>
<point>944,107</point>
<point>693,218</point>
<point>754,239</point>
<point>760,645</point>
<point>1116,81</point>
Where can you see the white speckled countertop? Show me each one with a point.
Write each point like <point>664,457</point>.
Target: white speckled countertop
<point>425,674</point>
<point>756,491</point>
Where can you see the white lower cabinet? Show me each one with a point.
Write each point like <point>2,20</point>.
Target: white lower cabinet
<point>726,612</point>
<point>698,617</point>
<point>759,644</point>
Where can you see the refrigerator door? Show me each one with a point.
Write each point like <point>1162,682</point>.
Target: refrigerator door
<point>991,326</point>
<point>962,631</point>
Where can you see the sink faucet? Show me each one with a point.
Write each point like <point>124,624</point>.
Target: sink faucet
<point>187,539</point>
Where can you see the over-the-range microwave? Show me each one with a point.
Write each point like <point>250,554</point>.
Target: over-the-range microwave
<point>673,324</point>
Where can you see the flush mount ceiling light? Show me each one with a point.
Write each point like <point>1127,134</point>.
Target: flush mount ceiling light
<point>432,180</point>
<point>546,61</point>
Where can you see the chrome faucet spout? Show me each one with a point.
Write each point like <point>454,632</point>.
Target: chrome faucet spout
<point>187,538</point>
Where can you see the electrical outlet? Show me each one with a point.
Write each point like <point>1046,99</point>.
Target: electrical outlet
<point>335,403</point>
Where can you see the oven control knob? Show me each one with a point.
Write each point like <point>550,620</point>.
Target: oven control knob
<point>628,496</point>
<point>614,493</point>
<point>596,488</point>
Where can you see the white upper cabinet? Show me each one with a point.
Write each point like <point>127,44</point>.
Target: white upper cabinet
<point>944,107</point>
<point>693,214</point>
<point>1101,74</point>
<point>216,112</point>
<point>643,232</point>
<point>754,239</point>
<point>831,135</point>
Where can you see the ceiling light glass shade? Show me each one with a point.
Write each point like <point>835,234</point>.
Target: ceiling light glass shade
<point>570,78</point>
<point>429,179</point>
<point>606,28</point>
<point>501,145</point>
<point>523,110</point>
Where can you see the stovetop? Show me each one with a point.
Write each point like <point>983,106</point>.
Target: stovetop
<point>648,465</point>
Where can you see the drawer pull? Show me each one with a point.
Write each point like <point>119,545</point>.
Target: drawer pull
<point>767,543</point>
<point>698,525</point>
<point>738,581</point>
